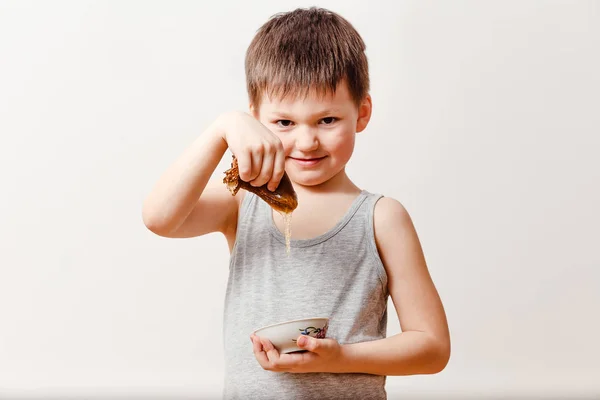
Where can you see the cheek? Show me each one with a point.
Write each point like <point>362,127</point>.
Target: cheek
<point>347,147</point>
<point>341,140</point>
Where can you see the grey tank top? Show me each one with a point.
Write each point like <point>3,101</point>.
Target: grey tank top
<point>338,274</point>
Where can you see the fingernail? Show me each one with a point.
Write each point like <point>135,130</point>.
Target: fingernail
<point>302,341</point>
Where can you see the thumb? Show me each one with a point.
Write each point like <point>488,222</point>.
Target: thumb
<point>309,343</point>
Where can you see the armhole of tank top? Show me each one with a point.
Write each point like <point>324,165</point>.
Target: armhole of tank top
<point>373,244</point>
<point>242,214</point>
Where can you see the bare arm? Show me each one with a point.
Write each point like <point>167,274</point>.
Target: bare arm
<point>176,207</point>
<point>183,203</point>
<point>177,193</point>
<point>424,345</point>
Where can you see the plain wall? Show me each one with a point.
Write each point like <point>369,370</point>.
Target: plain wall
<point>485,126</point>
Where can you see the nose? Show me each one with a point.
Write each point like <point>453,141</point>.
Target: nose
<point>307,139</point>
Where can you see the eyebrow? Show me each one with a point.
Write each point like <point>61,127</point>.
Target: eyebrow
<point>321,114</point>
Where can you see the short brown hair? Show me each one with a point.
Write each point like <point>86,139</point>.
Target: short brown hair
<point>303,50</point>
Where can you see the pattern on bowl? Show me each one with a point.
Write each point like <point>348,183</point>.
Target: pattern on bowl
<point>318,333</point>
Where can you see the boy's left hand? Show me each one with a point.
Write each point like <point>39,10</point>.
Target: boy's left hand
<point>323,355</point>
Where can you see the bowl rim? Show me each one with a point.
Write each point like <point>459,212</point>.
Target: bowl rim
<point>290,321</point>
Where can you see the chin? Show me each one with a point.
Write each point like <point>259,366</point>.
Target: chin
<point>307,180</point>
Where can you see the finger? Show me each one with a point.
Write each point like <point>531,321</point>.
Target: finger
<point>260,355</point>
<point>278,170</point>
<point>244,166</point>
<point>293,360</point>
<point>257,161</point>
<point>266,170</point>
<point>309,343</point>
<point>273,356</point>
<point>271,351</point>
<point>256,344</point>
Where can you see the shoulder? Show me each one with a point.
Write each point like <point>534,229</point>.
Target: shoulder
<point>390,214</point>
<point>393,226</point>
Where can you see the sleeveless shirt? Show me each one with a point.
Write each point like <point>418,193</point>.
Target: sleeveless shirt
<point>338,274</point>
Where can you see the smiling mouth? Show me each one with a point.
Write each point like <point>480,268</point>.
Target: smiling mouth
<point>307,162</point>
<point>307,159</point>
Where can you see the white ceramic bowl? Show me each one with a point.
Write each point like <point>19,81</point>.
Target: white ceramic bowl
<point>284,334</point>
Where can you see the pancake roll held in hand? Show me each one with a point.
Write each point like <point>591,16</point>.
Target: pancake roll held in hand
<point>283,199</point>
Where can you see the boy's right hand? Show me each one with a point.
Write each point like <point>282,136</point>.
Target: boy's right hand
<point>259,152</point>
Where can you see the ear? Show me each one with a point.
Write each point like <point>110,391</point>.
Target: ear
<point>364,113</point>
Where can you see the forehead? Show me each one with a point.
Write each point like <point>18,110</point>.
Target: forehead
<point>308,101</point>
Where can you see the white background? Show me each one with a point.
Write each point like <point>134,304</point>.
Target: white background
<point>486,127</point>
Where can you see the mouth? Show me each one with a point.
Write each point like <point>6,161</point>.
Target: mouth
<point>307,162</point>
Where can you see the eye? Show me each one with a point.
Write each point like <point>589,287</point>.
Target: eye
<point>329,120</point>
<point>284,123</point>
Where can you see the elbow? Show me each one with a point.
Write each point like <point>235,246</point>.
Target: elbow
<point>440,357</point>
<point>154,223</point>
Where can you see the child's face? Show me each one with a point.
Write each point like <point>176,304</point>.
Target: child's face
<point>317,132</point>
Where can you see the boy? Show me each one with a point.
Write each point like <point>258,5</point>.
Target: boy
<point>308,85</point>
